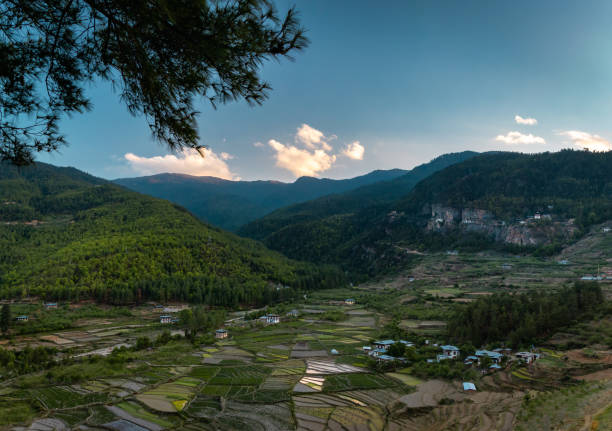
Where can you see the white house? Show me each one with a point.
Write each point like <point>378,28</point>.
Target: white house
<point>221,334</point>
<point>165,319</point>
<point>271,319</point>
<point>527,357</point>
<point>468,386</point>
<point>22,318</point>
<point>452,352</point>
<point>349,301</point>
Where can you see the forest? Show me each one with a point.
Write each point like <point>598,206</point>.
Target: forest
<point>96,240</point>
<point>363,239</point>
<point>527,318</point>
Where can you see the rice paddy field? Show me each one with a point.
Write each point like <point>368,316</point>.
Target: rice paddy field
<point>309,373</point>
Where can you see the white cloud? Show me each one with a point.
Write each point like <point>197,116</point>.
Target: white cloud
<point>587,141</point>
<point>226,156</point>
<point>312,138</point>
<point>300,161</point>
<point>258,144</point>
<point>354,151</point>
<point>526,121</point>
<point>189,161</point>
<point>518,138</point>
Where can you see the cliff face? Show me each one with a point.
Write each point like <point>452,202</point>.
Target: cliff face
<point>528,232</point>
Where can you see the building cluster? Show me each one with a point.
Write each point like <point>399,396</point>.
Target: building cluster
<point>379,351</point>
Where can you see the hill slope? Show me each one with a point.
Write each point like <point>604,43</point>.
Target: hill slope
<point>65,234</point>
<point>305,215</point>
<point>480,203</point>
<point>231,204</point>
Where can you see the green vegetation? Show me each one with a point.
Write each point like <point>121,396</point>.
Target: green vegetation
<point>100,241</point>
<point>525,318</point>
<point>371,237</point>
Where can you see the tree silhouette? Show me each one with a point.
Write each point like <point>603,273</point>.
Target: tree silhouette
<point>158,54</point>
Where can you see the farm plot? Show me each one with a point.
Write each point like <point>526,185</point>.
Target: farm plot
<point>329,367</point>
<point>290,367</point>
<point>332,411</point>
<point>345,382</point>
<point>60,397</point>
<point>249,375</point>
<point>169,397</point>
<point>204,406</point>
<point>134,412</point>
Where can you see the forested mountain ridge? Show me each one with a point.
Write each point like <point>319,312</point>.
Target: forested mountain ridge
<point>231,204</point>
<point>93,239</point>
<point>336,206</point>
<point>479,203</point>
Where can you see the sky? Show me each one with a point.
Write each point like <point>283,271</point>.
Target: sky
<point>387,85</point>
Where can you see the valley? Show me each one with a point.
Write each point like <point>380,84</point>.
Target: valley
<point>119,368</point>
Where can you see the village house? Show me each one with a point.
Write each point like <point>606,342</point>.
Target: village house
<point>377,352</point>
<point>22,318</point>
<point>471,359</point>
<point>165,319</point>
<point>469,386</point>
<point>270,319</point>
<point>451,352</point>
<point>349,301</point>
<point>527,357</point>
<point>293,313</point>
<point>383,344</point>
<point>537,216</point>
<point>51,305</point>
<point>220,334</point>
<point>496,357</point>
<point>606,229</point>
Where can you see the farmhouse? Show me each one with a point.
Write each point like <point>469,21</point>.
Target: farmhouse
<point>383,344</point>
<point>221,334</point>
<point>22,318</point>
<point>50,305</point>
<point>606,229</point>
<point>471,359</point>
<point>496,357</point>
<point>270,319</point>
<point>469,386</point>
<point>165,319</point>
<point>349,301</point>
<point>293,313</point>
<point>527,357</point>
<point>452,352</point>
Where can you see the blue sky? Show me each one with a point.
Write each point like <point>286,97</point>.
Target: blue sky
<point>388,85</point>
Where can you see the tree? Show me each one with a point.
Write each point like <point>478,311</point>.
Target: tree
<point>5,318</point>
<point>159,54</point>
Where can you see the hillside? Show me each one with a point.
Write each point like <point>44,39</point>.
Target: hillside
<point>231,204</point>
<point>67,235</point>
<point>488,201</point>
<point>304,215</point>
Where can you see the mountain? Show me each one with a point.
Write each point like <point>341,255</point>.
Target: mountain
<point>337,206</point>
<point>231,204</point>
<point>509,200</point>
<point>67,235</point>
